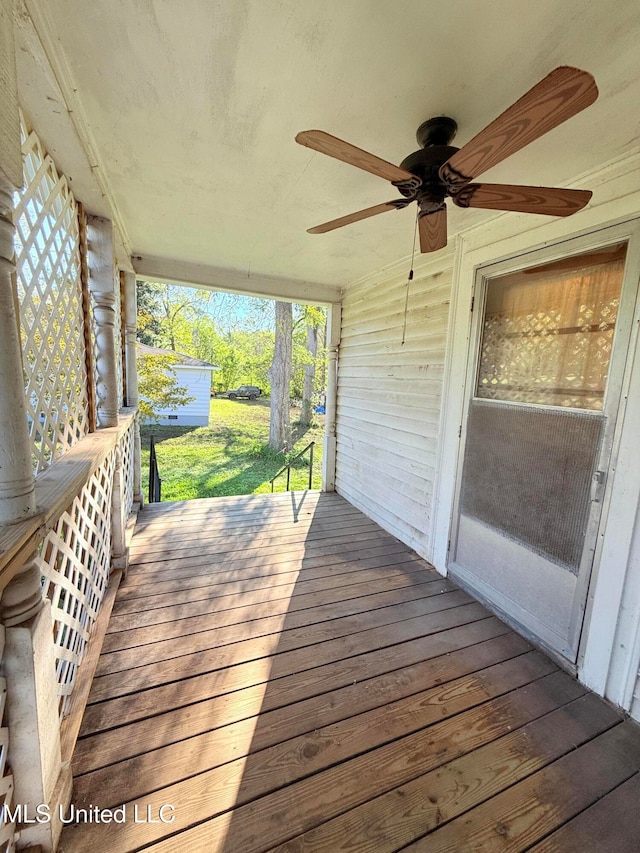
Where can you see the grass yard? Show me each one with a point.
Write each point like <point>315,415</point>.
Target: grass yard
<point>230,456</point>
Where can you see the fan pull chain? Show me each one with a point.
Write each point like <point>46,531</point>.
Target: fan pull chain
<point>409,280</point>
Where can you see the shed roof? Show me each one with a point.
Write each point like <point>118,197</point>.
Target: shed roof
<point>181,358</point>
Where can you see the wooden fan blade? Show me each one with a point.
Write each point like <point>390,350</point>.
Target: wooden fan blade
<point>356,217</point>
<point>433,230</point>
<point>556,98</point>
<point>334,147</point>
<point>551,201</point>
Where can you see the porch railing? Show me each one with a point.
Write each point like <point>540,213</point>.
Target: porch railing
<point>155,483</point>
<point>63,536</point>
<point>287,467</point>
<point>75,557</point>
<point>71,539</point>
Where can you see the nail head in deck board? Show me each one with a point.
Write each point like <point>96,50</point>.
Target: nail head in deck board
<point>522,815</point>
<point>302,714</point>
<point>295,686</point>
<point>356,732</point>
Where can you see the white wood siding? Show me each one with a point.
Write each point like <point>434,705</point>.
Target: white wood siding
<point>389,395</point>
<point>197,381</point>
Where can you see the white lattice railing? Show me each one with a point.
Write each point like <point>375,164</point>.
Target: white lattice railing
<point>75,561</point>
<point>7,825</point>
<point>50,300</point>
<point>84,478</point>
<point>56,327</point>
<point>126,445</point>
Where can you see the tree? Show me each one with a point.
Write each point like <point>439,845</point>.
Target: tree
<point>306,414</point>
<point>167,311</point>
<point>280,376</point>
<point>148,305</point>
<point>314,318</point>
<point>158,386</point>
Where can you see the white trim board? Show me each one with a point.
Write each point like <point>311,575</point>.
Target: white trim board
<point>235,281</point>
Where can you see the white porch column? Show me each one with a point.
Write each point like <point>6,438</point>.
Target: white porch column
<point>334,316</point>
<point>119,550</point>
<point>131,319</point>
<point>102,283</point>
<point>16,472</point>
<point>17,498</point>
<point>32,706</point>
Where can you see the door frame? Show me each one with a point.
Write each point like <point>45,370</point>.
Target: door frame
<point>564,649</point>
<point>598,654</point>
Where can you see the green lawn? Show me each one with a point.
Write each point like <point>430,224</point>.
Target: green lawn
<point>230,456</point>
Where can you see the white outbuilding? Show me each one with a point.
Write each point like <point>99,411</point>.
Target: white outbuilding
<point>194,375</point>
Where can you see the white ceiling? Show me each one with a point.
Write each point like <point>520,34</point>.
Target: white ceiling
<point>193,106</point>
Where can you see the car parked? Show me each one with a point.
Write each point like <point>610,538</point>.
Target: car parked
<point>252,392</point>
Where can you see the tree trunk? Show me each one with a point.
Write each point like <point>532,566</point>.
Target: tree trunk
<point>309,376</point>
<point>280,376</point>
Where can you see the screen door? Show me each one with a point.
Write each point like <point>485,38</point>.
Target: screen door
<point>538,438</point>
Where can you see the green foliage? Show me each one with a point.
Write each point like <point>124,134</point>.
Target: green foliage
<point>158,386</point>
<point>307,315</point>
<point>233,332</point>
<point>149,322</point>
<point>229,457</point>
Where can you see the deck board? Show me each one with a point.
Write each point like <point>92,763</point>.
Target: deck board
<point>323,689</point>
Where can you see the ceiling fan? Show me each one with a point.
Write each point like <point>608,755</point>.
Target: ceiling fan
<point>439,169</point>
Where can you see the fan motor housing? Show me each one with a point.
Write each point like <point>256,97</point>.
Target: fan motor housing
<point>425,164</point>
<point>435,136</point>
<point>439,130</point>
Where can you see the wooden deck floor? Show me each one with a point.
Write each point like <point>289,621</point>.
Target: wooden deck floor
<point>281,674</point>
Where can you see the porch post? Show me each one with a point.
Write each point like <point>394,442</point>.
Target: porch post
<point>333,343</point>
<point>17,498</point>
<point>119,550</point>
<point>131,316</point>
<point>40,777</point>
<point>102,283</point>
